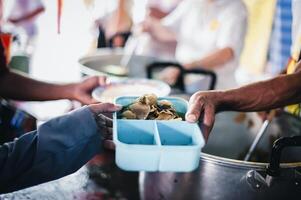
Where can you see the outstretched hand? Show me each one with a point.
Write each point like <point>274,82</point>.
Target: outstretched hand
<point>82,90</point>
<point>105,123</point>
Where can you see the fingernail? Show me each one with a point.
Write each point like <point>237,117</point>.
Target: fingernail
<point>191,118</point>
<point>118,105</point>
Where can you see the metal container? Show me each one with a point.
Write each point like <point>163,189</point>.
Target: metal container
<point>98,62</point>
<point>219,177</point>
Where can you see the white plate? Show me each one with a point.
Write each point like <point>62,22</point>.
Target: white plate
<point>130,87</point>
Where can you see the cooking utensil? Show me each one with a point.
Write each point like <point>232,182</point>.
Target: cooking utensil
<point>99,63</point>
<point>260,134</point>
<point>129,51</point>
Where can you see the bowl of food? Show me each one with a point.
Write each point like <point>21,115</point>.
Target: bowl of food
<point>150,134</point>
<point>130,87</point>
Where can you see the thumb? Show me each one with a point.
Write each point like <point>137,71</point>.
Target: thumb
<point>104,108</point>
<point>193,113</point>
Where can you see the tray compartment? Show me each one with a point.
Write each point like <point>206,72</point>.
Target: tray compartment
<point>181,144</point>
<point>150,145</point>
<point>137,145</point>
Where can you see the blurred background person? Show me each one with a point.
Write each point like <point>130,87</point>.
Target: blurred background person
<point>115,27</point>
<point>23,15</point>
<point>155,11</point>
<point>208,34</point>
<point>281,38</point>
<point>159,9</point>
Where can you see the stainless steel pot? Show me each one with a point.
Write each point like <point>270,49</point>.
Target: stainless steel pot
<point>98,62</point>
<point>219,177</point>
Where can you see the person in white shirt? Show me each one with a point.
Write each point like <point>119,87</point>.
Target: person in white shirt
<point>159,9</point>
<point>209,35</point>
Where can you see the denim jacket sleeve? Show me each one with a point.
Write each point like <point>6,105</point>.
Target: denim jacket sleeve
<point>59,147</point>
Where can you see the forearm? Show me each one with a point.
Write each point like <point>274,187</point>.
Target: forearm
<point>18,87</point>
<point>214,60</point>
<point>278,92</point>
<point>27,17</point>
<point>55,150</point>
<point>162,34</point>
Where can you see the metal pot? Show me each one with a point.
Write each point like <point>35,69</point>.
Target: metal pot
<point>98,62</point>
<point>107,62</point>
<point>223,178</point>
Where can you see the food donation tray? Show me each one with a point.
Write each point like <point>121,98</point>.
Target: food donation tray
<point>157,145</point>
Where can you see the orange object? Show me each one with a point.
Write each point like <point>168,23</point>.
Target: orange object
<point>59,15</point>
<point>6,39</point>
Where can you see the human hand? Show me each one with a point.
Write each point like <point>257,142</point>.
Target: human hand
<point>149,24</point>
<point>202,108</point>
<point>104,122</point>
<point>82,91</point>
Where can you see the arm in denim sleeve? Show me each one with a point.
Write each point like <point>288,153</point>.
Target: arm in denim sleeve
<point>59,147</point>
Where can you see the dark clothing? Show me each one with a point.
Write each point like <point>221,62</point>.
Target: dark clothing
<point>104,42</point>
<point>56,149</point>
<point>3,66</point>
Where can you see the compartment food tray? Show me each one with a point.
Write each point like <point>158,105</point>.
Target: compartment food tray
<point>157,145</point>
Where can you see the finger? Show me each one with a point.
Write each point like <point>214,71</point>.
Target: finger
<point>104,107</point>
<point>106,131</point>
<point>91,82</point>
<point>102,80</point>
<point>104,122</point>
<point>108,135</point>
<point>86,100</point>
<point>208,121</point>
<point>109,115</point>
<point>205,131</point>
<point>109,144</point>
<point>209,116</point>
<point>194,111</point>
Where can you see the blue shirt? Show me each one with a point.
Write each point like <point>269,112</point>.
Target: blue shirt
<point>281,39</point>
<point>57,148</point>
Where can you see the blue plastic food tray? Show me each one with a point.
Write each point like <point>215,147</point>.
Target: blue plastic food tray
<point>157,145</point>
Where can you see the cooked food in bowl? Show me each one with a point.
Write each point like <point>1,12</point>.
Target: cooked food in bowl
<point>147,107</point>
<point>115,70</point>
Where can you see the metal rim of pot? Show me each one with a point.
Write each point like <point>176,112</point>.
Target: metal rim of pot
<point>243,164</point>
<point>273,168</point>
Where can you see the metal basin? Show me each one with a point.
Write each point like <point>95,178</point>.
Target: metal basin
<point>98,62</point>
<point>219,177</point>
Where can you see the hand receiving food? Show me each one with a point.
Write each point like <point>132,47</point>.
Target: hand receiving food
<point>82,91</point>
<point>105,123</point>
